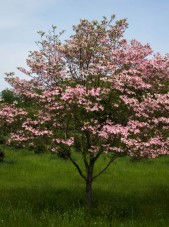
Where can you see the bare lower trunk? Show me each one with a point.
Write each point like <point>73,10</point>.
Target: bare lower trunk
<point>89,181</point>
<point>89,196</point>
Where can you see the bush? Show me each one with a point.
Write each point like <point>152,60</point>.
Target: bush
<point>2,155</point>
<point>2,140</point>
<point>63,155</point>
<point>40,149</point>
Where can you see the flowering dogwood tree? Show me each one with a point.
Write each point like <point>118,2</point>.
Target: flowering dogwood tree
<point>94,93</point>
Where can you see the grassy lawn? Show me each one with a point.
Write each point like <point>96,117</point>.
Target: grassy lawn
<point>42,190</point>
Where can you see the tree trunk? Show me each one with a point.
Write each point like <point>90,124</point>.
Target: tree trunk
<point>89,181</point>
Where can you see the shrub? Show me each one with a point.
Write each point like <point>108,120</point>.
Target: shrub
<point>2,155</point>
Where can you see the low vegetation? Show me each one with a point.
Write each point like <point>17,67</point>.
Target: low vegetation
<point>44,190</point>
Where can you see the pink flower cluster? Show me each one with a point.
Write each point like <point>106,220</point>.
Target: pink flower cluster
<point>69,142</point>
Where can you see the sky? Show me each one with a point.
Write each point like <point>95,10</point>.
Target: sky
<point>21,19</point>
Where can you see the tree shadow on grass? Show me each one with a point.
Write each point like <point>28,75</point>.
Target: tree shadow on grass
<point>154,204</point>
<point>9,162</point>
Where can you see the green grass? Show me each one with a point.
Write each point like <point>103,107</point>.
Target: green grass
<point>42,190</point>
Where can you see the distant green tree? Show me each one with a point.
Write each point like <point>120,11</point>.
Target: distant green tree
<point>8,96</point>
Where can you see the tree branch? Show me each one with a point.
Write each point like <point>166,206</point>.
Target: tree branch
<point>97,155</point>
<point>78,168</point>
<point>111,160</point>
